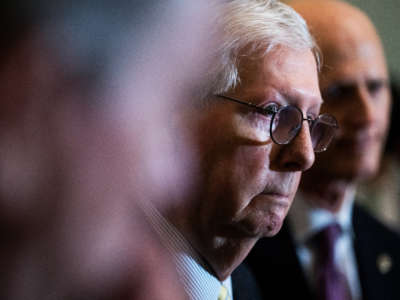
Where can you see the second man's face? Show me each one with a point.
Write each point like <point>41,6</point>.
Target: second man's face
<point>354,85</point>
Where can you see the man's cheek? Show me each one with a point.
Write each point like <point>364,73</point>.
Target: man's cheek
<point>252,129</point>
<point>297,178</point>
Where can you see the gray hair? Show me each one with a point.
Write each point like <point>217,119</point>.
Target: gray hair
<point>253,26</point>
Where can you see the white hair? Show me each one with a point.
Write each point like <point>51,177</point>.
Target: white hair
<point>251,26</point>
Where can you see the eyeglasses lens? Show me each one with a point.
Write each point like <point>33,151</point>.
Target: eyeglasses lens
<point>322,132</point>
<point>286,124</point>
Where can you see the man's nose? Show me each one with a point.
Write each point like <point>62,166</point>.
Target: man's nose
<point>363,112</point>
<point>298,155</point>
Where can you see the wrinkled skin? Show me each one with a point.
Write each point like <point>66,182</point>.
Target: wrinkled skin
<point>249,181</point>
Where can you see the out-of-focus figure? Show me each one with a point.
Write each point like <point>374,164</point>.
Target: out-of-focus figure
<point>89,95</point>
<point>381,194</point>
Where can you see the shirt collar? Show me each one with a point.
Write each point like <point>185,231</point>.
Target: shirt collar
<point>193,271</point>
<point>306,219</point>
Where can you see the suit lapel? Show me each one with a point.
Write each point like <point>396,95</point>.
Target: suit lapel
<point>244,285</point>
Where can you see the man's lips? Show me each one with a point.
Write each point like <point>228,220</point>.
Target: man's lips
<point>279,197</point>
<point>275,193</point>
<point>280,190</point>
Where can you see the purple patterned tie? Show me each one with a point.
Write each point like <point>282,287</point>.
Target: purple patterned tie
<point>331,284</point>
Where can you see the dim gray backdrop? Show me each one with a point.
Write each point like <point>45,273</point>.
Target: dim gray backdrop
<point>386,16</point>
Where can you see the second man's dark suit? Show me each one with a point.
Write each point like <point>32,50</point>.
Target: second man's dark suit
<point>280,276</point>
<point>244,285</point>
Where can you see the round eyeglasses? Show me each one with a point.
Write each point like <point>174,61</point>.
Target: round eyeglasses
<point>287,121</point>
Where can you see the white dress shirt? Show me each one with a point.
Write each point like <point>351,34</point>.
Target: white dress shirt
<point>194,273</point>
<point>306,220</point>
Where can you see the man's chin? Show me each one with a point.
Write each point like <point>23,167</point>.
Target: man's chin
<point>274,225</point>
<point>267,226</point>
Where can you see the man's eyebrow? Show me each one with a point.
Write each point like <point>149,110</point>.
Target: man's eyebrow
<point>294,98</point>
<point>380,80</point>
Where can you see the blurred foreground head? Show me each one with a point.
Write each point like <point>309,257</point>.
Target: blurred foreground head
<point>354,86</point>
<point>89,91</point>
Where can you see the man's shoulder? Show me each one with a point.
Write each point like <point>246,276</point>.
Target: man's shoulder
<point>377,251</point>
<point>367,227</point>
<point>276,246</point>
<point>274,262</point>
<point>244,284</point>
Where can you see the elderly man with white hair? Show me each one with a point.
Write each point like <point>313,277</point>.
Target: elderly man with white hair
<point>256,127</point>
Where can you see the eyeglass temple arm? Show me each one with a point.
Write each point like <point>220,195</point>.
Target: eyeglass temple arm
<point>262,110</point>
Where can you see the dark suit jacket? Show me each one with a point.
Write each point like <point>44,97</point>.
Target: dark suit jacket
<point>275,264</point>
<point>244,285</point>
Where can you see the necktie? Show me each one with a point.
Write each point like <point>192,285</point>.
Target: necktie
<point>331,284</point>
<point>223,293</point>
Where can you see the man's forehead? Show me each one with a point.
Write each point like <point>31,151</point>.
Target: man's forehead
<point>292,75</point>
<point>298,97</point>
<point>281,63</point>
<point>366,61</point>
<point>287,76</point>
<point>350,47</point>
